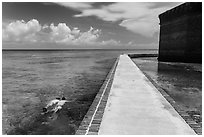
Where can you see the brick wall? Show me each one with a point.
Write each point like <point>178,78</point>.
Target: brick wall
<point>181,33</point>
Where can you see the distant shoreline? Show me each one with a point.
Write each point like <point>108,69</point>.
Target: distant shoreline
<point>70,49</point>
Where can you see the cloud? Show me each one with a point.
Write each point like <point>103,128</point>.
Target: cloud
<point>91,35</point>
<point>60,33</point>
<point>141,26</point>
<point>140,18</point>
<point>21,30</point>
<point>111,42</point>
<point>32,31</point>
<point>117,11</point>
<point>76,5</point>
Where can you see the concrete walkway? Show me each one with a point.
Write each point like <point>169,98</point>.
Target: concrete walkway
<point>136,107</point>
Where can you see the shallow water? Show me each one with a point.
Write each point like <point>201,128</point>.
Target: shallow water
<point>182,81</point>
<point>32,78</point>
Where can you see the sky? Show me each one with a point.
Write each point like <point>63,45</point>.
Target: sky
<point>65,25</point>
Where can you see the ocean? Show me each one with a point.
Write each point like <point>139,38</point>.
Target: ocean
<point>30,79</point>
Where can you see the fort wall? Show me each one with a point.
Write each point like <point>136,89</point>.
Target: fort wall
<point>181,33</point>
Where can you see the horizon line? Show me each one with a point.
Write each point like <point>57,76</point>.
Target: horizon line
<point>23,49</point>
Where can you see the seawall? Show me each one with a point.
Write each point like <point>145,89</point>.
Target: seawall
<point>92,120</point>
<point>128,103</point>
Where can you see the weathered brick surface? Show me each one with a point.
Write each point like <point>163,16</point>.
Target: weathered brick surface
<point>98,116</point>
<point>80,132</point>
<point>96,121</point>
<point>181,33</point>
<point>83,127</point>
<point>92,133</point>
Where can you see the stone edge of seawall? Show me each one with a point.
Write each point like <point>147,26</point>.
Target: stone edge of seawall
<point>195,126</point>
<point>91,123</point>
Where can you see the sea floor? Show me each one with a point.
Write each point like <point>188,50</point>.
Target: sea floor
<point>182,81</point>
<point>31,79</point>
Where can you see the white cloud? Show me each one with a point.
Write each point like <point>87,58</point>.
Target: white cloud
<point>91,35</point>
<point>32,31</point>
<point>75,32</point>
<point>76,5</point>
<point>118,11</point>
<point>111,42</point>
<point>21,30</point>
<point>143,27</point>
<point>60,33</point>
<point>140,18</point>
